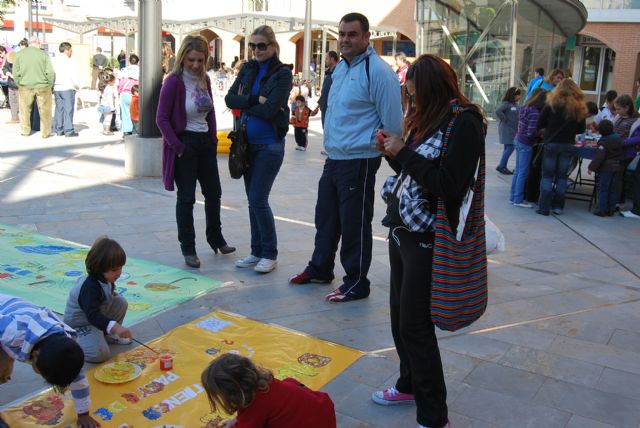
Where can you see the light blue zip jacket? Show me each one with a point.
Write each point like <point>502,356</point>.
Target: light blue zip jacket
<point>358,105</point>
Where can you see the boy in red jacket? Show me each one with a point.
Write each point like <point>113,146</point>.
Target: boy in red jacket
<point>300,122</point>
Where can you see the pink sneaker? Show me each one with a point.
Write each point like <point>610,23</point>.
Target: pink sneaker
<point>392,396</point>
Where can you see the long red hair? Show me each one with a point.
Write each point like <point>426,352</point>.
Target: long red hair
<point>436,85</point>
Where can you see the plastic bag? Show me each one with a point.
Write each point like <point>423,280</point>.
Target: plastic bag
<point>494,237</point>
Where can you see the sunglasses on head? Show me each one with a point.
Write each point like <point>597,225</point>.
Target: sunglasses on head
<point>258,46</point>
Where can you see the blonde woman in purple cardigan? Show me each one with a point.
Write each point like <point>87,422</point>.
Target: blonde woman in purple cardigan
<point>187,121</point>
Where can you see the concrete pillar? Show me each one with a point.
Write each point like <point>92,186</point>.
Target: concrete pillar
<point>30,15</point>
<point>324,55</point>
<point>150,18</point>
<point>394,45</point>
<point>143,153</point>
<point>306,53</point>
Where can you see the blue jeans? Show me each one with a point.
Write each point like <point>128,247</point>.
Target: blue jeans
<point>63,119</point>
<point>264,164</point>
<point>607,191</point>
<point>523,161</point>
<point>506,153</point>
<point>556,161</point>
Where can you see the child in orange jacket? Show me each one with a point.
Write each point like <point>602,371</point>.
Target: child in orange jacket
<point>300,122</point>
<point>134,108</point>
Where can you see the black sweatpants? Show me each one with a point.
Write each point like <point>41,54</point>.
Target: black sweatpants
<point>301,136</point>
<point>344,210</point>
<point>411,259</point>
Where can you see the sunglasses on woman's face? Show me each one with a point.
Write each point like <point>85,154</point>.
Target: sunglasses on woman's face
<point>259,46</point>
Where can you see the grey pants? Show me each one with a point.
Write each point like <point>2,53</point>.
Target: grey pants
<point>92,340</point>
<point>15,103</point>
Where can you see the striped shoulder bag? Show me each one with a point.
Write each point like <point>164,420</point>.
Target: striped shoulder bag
<point>459,279</point>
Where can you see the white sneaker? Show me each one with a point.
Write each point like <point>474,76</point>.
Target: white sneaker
<point>557,211</point>
<point>523,205</point>
<point>629,214</point>
<point>300,148</point>
<point>247,261</point>
<point>266,265</point>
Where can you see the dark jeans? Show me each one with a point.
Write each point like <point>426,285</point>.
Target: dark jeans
<point>63,119</point>
<point>344,210</point>
<point>197,163</point>
<point>410,258</point>
<point>301,136</point>
<point>621,182</point>
<point>607,194</point>
<point>506,153</point>
<point>265,161</point>
<point>556,161</point>
<point>636,191</point>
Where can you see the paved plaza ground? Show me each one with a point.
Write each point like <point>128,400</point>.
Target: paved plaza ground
<point>559,345</point>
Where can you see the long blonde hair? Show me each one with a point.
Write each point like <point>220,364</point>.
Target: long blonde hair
<point>567,97</point>
<point>267,32</point>
<point>192,43</point>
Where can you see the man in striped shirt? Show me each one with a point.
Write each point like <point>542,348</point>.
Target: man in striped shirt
<point>35,335</point>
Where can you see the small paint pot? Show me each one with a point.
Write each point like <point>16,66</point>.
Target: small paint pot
<point>166,362</point>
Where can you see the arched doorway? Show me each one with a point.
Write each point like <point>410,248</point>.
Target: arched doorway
<point>594,63</point>
<point>316,49</point>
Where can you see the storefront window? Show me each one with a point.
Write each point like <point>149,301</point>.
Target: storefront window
<point>590,66</point>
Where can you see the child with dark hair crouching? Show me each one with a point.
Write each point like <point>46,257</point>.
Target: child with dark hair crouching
<point>35,335</point>
<point>607,163</point>
<point>93,308</point>
<point>234,384</point>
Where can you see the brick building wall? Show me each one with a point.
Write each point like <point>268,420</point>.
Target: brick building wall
<point>624,39</point>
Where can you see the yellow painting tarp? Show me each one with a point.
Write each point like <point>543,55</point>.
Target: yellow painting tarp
<point>175,398</point>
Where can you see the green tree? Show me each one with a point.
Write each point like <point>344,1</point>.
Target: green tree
<point>4,4</point>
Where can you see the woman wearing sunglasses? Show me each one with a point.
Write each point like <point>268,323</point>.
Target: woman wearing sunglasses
<point>261,92</point>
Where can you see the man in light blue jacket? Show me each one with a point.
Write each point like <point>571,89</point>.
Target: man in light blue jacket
<point>364,97</point>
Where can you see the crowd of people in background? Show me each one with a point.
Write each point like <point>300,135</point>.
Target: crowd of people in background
<point>554,119</point>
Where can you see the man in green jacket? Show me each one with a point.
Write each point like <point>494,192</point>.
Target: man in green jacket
<point>34,75</point>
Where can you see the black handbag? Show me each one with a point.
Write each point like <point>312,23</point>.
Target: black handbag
<point>238,152</point>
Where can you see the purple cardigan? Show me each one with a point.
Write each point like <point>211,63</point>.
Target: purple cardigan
<point>527,122</point>
<point>171,118</point>
<point>632,144</point>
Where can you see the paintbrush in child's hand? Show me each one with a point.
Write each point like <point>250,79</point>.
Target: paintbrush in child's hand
<point>151,349</point>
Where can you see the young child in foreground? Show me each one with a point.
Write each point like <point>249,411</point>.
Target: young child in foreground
<point>234,384</point>
<point>93,307</point>
<point>35,335</point>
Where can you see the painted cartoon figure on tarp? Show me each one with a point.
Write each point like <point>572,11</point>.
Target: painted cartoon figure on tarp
<point>46,411</point>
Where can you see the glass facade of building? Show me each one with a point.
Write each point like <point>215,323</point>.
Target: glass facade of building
<point>493,44</point>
